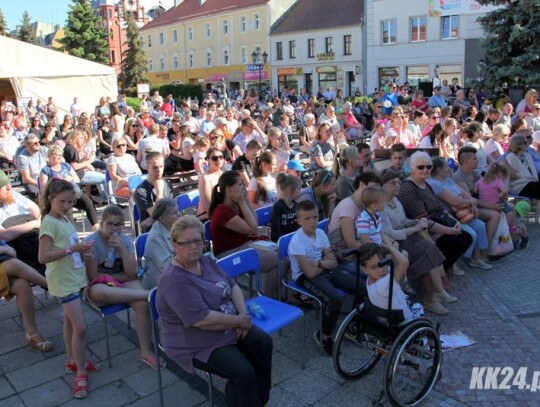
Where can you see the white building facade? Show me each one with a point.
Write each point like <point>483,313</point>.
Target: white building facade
<point>422,41</point>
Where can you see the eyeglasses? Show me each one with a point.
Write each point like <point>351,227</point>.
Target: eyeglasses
<point>114,225</point>
<point>528,137</point>
<point>424,167</point>
<point>435,117</point>
<point>134,125</point>
<point>34,144</point>
<point>120,145</point>
<point>216,157</point>
<point>187,243</point>
<point>214,137</point>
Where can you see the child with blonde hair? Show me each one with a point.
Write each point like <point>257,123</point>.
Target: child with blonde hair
<point>198,152</point>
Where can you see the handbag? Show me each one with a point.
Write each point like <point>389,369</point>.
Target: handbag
<point>502,243</point>
<point>443,218</point>
<point>464,215</point>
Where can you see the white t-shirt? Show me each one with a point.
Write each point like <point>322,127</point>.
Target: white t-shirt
<point>9,146</point>
<point>493,146</point>
<point>149,144</point>
<point>345,209</point>
<point>271,189</point>
<point>303,245</point>
<point>425,143</point>
<point>378,295</point>
<point>125,166</point>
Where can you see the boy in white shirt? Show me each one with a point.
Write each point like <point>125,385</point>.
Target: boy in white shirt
<point>313,265</point>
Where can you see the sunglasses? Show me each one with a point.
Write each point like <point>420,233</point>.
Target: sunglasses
<point>114,225</point>
<point>214,137</point>
<point>435,117</point>
<point>33,144</point>
<point>216,157</point>
<point>134,125</point>
<point>424,167</point>
<point>120,145</point>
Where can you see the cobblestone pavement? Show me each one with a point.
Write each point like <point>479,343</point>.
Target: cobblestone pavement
<point>499,309</point>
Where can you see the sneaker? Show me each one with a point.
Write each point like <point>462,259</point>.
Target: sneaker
<point>480,264</point>
<point>444,297</point>
<point>435,307</point>
<point>457,271</point>
<point>327,344</point>
<point>524,243</point>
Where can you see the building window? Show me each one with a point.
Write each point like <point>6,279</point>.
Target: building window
<point>113,59</point>
<point>160,38</point>
<point>150,65</point>
<point>149,41</point>
<point>161,64</point>
<point>329,41</point>
<point>292,49</point>
<point>175,36</point>
<point>311,48</point>
<point>347,44</point>
<point>243,24</point>
<point>175,62</point>
<point>208,59</point>
<point>190,61</point>
<point>243,55</point>
<point>450,27</point>
<point>279,51</point>
<point>111,34</point>
<point>225,57</point>
<point>208,30</point>
<point>389,30</point>
<point>110,13</point>
<point>256,22</point>
<point>225,27</point>
<point>418,29</point>
<point>190,33</point>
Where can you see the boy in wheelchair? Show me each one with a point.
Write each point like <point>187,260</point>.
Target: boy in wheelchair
<point>378,281</point>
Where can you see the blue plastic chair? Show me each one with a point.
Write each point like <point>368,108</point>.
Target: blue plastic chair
<point>140,244</point>
<point>188,200</point>
<point>323,225</point>
<point>154,314</point>
<point>264,215</point>
<point>279,314</point>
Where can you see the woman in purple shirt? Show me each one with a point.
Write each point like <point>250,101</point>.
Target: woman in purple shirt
<point>205,323</point>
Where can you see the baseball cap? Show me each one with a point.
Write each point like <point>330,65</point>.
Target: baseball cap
<point>295,165</point>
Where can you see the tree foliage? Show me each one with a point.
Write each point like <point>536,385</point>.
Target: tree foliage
<point>511,44</point>
<point>134,65</point>
<point>84,34</point>
<point>26,32</point>
<point>3,24</point>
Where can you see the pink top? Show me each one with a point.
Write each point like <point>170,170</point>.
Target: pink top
<point>490,193</point>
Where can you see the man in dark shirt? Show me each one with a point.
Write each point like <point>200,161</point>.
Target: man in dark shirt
<point>152,189</point>
<point>243,164</point>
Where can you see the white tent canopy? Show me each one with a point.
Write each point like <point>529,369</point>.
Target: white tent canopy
<point>40,73</point>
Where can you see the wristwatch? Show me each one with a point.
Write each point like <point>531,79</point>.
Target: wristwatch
<point>68,251</point>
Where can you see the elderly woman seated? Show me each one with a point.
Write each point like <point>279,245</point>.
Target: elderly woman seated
<point>158,250</point>
<point>205,323</point>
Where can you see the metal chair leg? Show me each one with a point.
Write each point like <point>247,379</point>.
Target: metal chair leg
<point>109,357</point>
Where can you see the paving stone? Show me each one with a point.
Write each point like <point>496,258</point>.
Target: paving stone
<point>6,389</point>
<point>13,401</point>
<point>20,358</point>
<point>282,398</point>
<point>310,386</point>
<point>12,336</point>
<point>145,381</point>
<point>38,373</point>
<point>119,344</point>
<point>115,394</point>
<point>48,394</point>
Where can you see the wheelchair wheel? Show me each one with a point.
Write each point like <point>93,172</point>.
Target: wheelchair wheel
<point>413,365</point>
<point>356,351</point>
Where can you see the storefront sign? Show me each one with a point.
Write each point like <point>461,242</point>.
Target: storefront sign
<point>452,7</point>
<point>164,76</point>
<point>254,67</point>
<point>390,71</point>
<point>286,71</point>
<point>216,77</point>
<point>326,69</point>
<point>235,75</point>
<point>254,76</point>
<point>328,56</point>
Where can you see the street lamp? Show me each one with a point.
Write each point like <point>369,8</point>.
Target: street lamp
<point>259,60</point>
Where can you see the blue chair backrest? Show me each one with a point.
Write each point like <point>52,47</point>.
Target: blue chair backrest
<point>323,224</point>
<point>136,216</point>
<point>207,231</point>
<point>187,200</point>
<point>107,176</point>
<point>283,245</point>
<point>140,243</point>
<point>135,180</point>
<point>243,262</point>
<point>152,301</point>
<point>264,215</point>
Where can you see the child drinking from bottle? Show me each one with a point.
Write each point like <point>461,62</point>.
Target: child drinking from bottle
<point>60,250</point>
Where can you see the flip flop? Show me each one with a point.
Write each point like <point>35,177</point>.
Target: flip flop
<point>152,362</point>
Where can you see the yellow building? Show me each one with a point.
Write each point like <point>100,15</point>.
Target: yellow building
<point>202,41</point>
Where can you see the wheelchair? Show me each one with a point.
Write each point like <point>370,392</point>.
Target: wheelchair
<point>412,348</point>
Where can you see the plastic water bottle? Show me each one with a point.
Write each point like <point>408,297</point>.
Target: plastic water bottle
<point>111,255</point>
<point>256,311</point>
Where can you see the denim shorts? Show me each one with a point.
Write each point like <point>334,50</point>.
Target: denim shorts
<point>69,298</point>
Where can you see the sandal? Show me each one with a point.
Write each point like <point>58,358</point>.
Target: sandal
<point>34,343</point>
<point>303,299</point>
<point>80,386</point>
<point>152,362</point>
<point>90,366</point>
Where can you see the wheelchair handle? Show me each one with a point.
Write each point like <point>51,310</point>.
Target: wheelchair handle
<point>385,262</point>
<point>348,252</point>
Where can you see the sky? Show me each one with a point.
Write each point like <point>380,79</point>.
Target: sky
<point>48,11</point>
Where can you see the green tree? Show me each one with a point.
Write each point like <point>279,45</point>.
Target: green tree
<point>134,64</point>
<point>84,35</point>
<point>3,25</point>
<point>26,32</point>
<point>511,44</point>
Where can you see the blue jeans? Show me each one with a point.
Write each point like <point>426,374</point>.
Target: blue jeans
<point>97,179</point>
<point>477,229</point>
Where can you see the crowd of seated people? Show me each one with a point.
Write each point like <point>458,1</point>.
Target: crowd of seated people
<point>253,154</point>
